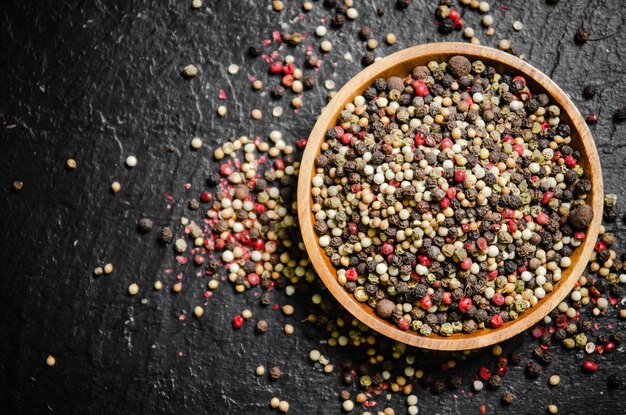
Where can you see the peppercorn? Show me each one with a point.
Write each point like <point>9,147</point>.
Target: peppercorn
<point>620,114</point>
<point>592,118</point>
<point>266,298</point>
<point>515,357</point>
<point>533,369</point>
<point>17,185</point>
<point>166,235</point>
<point>455,381</point>
<point>145,225</point>
<point>261,326</point>
<point>308,82</point>
<point>438,387</point>
<point>446,26</point>
<point>194,204</point>
<point>380,11</point>
<point>275,373</point>
<point>581,36</point>
<point>508,398</point>
<point>403,4</point>
<point>459,66</point>
<point>278,91</point>
<point>495,382</point>
<point>367,59</point>
<point>254,51</point>
<point>365,32</point>
<point>589,91</point>
<point>339,20</point>
<point>616,381</point>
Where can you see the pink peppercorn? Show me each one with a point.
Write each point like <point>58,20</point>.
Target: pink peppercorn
<point>497,299</point>
<point>454,15</point>
<point>386,249</point>
<point>482,409</point>
<point>580,235</point>
<point>426,302</point>
<point>351,275</point>
<point>206,197</point>
<point>301,143</point>
<point>345,138</point>
<point>403,324</point>
<point>445,203</point>
<point>465,304</point>
<point>289,69</point>
<point>445,143</point>
<point>419,139</point>
<point>590,366</point>
<point>446,298</point>
<point>226,170</point>
<point>459,176</point>
<point>484,374</point>
<point>542,218</point>
<point>496,321</point>
<point>421,90</point>
<point>276,67</point>
<point>570,161</point>
<point>600,246</point>
<point>237,321</point>
<point>253,279</point>
<point>466,263</point>
<point>519,149</point>
<point>547,196</point>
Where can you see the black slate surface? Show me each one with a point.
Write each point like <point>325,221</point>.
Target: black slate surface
<point>98,81</point>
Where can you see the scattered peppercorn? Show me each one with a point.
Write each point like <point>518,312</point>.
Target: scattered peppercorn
<point>581,36</point>
<point>275,372</point>
<point>145,225</point>
<point>166,235</point>
<point>620,114</point>
<point>589,91</point>
<point>508,398</point>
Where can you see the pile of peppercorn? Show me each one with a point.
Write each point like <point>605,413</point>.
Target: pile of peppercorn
<point>450,200</point>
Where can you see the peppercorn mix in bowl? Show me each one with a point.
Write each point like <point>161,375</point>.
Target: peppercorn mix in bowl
<point>450,196</point>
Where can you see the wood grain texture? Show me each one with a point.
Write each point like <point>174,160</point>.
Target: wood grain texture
<point>400,64</point>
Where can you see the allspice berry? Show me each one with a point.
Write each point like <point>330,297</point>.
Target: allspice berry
<point>459,66</point>
<point>385,308</point>
<point>581,217</point>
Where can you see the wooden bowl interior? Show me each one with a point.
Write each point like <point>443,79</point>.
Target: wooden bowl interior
<point>400,64</point>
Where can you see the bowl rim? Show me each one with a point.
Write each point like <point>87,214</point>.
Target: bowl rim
<point>327,273</point>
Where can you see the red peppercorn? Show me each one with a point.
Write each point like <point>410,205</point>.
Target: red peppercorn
<point>484,374</point>
<point>570,161</point>
<point>253,279</point>
<point>445,203</point>
<point>421,90</point>
<point>497,299</point>
<point>465,227</point>
<point>426,302</point>
<point>501,370</point>
<point>238,321</point>
<point>345,138</point>
<point>353,228</point>
<point>492,275</point>
<point>454,15</point>
<point>446,298</point>
<point>419,139</point>
<point>508,213</point>
<point>279,164</point>
<point>590,366</point>
<point>609,346</point>
<point>512,225</point>
<point>547,196</point>
<point>339,131</point>
<point>600,246</point>
<point>459,176</point>
<point>258,245</point>
<point>592,118</point>
<point>351,275</point>
<point>482,409</point>
<point>287,81</point>
<point>519,149</point>
<point>226,170</point>
<point>289,69</point>
<point>403,324</point>
<point>386,249</point>
<point>451,193</point>
<point>424,260</point>
<point>580,235</point>
<point>466,263</point>
<point>206,197</point>
<point>465,304</point>
<point>446,143</point>
<point>542,218</point>
<point>276,67</point>
<point>520,78</point>
<point>496,321</point>
<point>301,143</point>
<point>508,139</point>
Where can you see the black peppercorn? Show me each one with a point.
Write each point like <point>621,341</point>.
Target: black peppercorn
<point>339,20</point>
<point>278,91</point>
<point>368,59</point>
<point>589,91</point>
<point>495,381</point>
<point>254,51</point>
<point>403,4</point>
<point>266,298</point>
<point>438,388</point>
<point>365,32</point>
<point>533,370</point>
<point>380,11</point>
<point>166,234</point>
<point>455,381</point>
<point>581,36</point>
<point>446,26</point>
<point>144,225</point>
<point>308,82</point>
<point>620,114</point>
<point>508,398</point>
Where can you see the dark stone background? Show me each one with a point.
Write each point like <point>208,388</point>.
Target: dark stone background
<point>98,81</point>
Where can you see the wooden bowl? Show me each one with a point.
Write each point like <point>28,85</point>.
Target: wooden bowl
<point>400,64</point>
